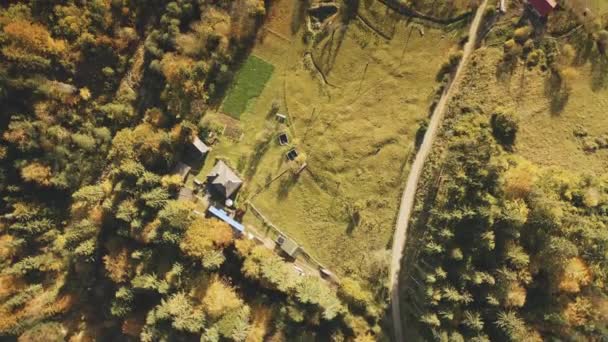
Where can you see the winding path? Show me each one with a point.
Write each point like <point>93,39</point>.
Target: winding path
<point>407,199</point>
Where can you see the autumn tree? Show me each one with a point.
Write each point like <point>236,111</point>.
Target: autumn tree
<point>205,240</point>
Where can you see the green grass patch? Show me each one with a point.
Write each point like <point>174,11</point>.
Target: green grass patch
<point>250,81</point>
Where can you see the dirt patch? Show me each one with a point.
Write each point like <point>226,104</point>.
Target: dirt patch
<point>285,17</point>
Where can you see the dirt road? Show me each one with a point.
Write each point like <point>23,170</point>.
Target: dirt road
<point>407,199</point>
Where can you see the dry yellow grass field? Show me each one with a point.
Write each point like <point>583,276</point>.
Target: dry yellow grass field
<point>545,136</point>
<point>357,130</point>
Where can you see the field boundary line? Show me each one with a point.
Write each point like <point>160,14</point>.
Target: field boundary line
<point>277,34</point>
<point>409,12</point>
<point>267,222</point>
<point>373,28</point>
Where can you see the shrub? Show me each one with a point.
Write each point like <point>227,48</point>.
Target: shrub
<point>511,49</point>
<point>590,145</point>
<point>534,58</point>
<point>504,127</point>
<point>421,131</point>
<point>522,34</point>
<point>528,45</point>
<point>50,331</point>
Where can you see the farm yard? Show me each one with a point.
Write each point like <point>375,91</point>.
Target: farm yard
<point>342,207</point>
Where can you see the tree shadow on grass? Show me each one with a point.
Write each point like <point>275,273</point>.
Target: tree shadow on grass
<point>584,50</point>
<point>286,184</point>
<point>599,73</point>
<point>329,50</point>
<point>556,92</point>
<point>262,146</point>
<point>505,69</point>
<point>299,15</point>
<point>350,228</point>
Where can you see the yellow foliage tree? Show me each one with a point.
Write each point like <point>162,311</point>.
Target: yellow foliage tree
<point>171,181</point>
<point>30,43</point>
<point>220,298</point>
<point>204,235</point>
<point>85,93</point>
<point>117,265</point>
<point>518,180</point>
<point>37,173</point>
<point>176,68</point>
<point>576,274</point>
<point>261,317</point>
<point>578,312</point>
<point>516,295</point>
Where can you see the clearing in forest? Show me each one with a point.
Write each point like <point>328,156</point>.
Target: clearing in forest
<point>354,102</point>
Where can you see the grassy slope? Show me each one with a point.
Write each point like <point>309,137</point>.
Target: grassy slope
<point>357,141</point>
<point>545,137</point>
<point>249,83</point>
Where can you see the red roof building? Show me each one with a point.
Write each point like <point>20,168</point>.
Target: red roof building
<point>543,7</point>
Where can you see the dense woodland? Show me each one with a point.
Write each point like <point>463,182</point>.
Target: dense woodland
<point>517,252</point>
<point>99,99</point>
<point>513,251</point>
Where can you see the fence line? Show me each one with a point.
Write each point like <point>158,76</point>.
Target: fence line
<point>267,222</point>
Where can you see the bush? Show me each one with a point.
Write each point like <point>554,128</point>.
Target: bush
<point>421,131</point>
<point>580,131</point>
<point>590,145</point>
<point>50,331</point>
<point>504,127</point>
<point>511,49</point>
<point>534,58</point>
<point>528,45</point>
<point>522,34</point>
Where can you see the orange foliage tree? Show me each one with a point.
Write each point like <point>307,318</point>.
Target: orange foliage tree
<point>30,44</point>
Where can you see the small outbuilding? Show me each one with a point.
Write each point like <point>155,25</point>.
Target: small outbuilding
<point>292,154</point>
<point>181,169</point>
<point>223,180</point>
<point>288,246</point>
<point>283,139</point>
<point>281,117</point>
<point>200,146</point>
<point>542,7</point>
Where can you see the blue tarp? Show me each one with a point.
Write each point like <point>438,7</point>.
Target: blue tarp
<point>219,213</point>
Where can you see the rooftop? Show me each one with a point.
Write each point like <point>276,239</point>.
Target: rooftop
<point>543,7</point>
<point>181,169</point>
<point>224,179</point>
<point>200,145</point>
<point>222,215</point>
<point>287,245</point>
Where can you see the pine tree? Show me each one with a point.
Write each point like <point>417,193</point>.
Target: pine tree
<point>473,321</point>
<point>510,323</point>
